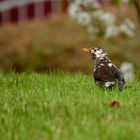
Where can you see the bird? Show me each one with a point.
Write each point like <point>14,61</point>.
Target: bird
<point>106,74</point>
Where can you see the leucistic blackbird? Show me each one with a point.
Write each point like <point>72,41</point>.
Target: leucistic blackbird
<point>105,73</point>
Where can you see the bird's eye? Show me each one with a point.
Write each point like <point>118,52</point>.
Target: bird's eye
<point>95,50</point>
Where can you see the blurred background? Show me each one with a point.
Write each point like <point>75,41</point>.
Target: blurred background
<point>47,35</point>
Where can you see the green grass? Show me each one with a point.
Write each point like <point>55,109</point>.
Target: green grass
<point>66,107</point>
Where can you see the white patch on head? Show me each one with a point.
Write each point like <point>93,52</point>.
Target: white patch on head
<point>101,64</point>
<point>110,64</point>
<point>108,84</point>
<point>104,54</point>
<point>99,53</point>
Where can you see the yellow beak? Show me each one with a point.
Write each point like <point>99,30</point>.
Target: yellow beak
<point>86,49</point>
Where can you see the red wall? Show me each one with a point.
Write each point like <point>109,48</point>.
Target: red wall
<point>30,10</point>
<point>14,12</point>
<point>0,17</point>
<point>14,15</point>
<point>47,7</point>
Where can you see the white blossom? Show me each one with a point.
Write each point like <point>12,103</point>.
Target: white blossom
<point>111,31</point>
<point>97,14</point>
<point>83,18</point>
<point>104,16</point>
<point>108,18</point>
<point>98,22</point>
<point>73,10</point>
<point>127,27</point>
<point>129,23</point>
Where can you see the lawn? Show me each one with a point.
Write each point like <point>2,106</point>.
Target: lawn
<point>65,106</point>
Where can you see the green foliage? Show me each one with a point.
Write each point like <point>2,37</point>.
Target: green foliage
<point>119,2</point>
<point>55,44</point>
<point>66,107</point>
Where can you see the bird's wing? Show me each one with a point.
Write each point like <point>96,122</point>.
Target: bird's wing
<point>104,73</point>
<point>109,73</point>
<point>118,75</point>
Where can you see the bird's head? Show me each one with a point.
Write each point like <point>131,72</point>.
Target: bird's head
<point>96,53</point>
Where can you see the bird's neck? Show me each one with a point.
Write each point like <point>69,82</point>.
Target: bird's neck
<point>102,59</point>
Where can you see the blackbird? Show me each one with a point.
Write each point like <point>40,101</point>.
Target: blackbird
<point>105,73</point>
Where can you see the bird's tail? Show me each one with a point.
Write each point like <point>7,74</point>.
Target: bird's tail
<point>121,81</point>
